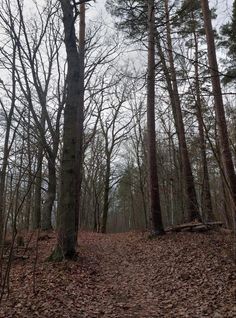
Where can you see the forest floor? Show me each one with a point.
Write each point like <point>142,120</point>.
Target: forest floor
<point>127,275</point>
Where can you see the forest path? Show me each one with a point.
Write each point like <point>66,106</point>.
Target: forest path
<point>177,275</point>
<point>127,275</point>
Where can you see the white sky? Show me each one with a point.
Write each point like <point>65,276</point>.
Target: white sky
<point>97,9</point>
<point>224,9</point>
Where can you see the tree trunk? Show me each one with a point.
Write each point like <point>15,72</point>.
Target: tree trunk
<point>106,196</point>
<point>80,119</point>
<point>67,214</point>
<point>6,148</point>
<point>36,217</point>
<point>46,222</point>
<point>190,192</point>
<point>28,204</point>
<point>226,155</point>
<point>151,132</point>
<point>142,188</point>
<point>2,185</point>
<point>207,210</point>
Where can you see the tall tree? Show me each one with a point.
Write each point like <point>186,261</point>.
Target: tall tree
<point>134,17</point>
<point>155,205</point>
<point>35,76</point>
<point>190,26</point>
<point>226,156</point>
<point>228,32</point>
<point>7,139</point>
<point>67,218</point>
<point>80,119</point>
<point>190,192</point>
<point>114,128</point>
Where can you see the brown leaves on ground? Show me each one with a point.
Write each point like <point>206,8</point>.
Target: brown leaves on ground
<point>127,275</point>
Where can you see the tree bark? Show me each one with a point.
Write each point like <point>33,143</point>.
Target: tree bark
<point>46,222</point>
<point>206,202</point>
<point>226,155</point>
<point>155,206</point>
<point>106,196</point>
<point>80,119</point>
<point>67,227</point>
<point>36,217</point>
<point>6,147</point>
<point>190,192</point>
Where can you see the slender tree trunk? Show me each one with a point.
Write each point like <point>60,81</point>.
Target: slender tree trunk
<point>141,186</point>
<point>136,143</point>
<point>2,186</point>
<point>36,217</point>
<point>190,192</point>
<point>151,132</point>
<point>28,204</point>
<point>97,211</point>
<point>30,178</point>
<point>106,196</point>
<point>226,155</point>
<point>207,210</point>
<point>95,225</point>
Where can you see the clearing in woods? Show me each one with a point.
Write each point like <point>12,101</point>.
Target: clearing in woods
<point>127,275</point>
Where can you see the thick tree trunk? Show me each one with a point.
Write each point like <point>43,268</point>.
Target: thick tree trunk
<point>46,221</point>
<point>226,155</point>
<point>67,214</point>
<point>151,132</point>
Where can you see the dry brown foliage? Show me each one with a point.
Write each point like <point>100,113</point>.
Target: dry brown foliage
<point>127,275</point>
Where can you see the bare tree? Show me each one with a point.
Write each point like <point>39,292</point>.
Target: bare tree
<point>8,140</point>
<point>114,128</point>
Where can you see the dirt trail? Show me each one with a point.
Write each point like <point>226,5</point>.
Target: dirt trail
<point>184,275</point>
<point>127,275</point>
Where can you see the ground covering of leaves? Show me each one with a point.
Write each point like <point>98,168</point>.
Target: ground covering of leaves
<point>128,275</point>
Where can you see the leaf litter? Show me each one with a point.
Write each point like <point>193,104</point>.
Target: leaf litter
<point>127,275</point>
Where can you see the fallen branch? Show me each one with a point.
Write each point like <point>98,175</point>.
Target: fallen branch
<point>195,227</point>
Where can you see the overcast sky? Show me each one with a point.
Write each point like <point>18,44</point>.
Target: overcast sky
<point>97,9</point>
<point>224,10</point>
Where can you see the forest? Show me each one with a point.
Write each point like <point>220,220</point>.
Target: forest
<point>117,158</point>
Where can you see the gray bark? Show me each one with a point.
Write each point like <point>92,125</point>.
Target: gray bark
<point>46,220</point>
<point>67,214</point>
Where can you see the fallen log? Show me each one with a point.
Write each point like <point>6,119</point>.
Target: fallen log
<point>195,227</point>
